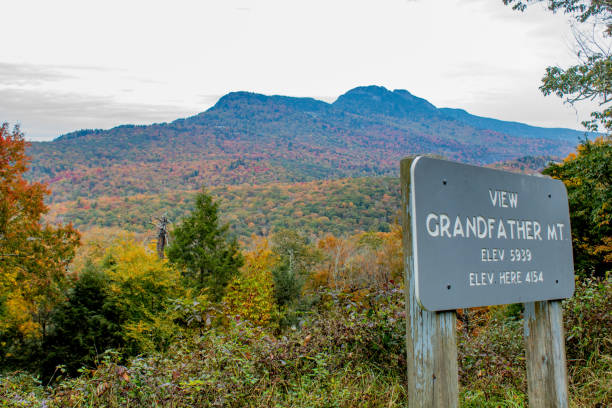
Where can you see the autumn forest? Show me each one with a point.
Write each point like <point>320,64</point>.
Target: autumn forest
<point>251,254</point>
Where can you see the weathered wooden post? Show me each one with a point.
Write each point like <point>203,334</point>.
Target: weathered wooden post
<point>545,354</point>
<point>431,342</point>
<point>477,237</point>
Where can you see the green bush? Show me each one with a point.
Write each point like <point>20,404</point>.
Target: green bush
<point>287,285</point>
<point>588,341</point>
<point>491,359</point>
<point>20,389</point>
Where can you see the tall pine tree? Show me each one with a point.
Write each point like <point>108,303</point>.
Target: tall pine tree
<point>200,246</point>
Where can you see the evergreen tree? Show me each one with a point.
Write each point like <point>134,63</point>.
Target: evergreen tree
<point>200,246</point>
<point>83,327</point>
<point>287,284</point>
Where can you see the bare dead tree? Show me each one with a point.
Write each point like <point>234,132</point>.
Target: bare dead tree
<point>162,234</point>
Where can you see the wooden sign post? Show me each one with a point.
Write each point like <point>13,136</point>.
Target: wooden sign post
<point>545,354</point>
<point>431,342</point>
<point>475,237</point>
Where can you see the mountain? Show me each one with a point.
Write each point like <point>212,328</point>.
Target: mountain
<point>377,100</point>
<point>512,128</point>
<point>256,139</point>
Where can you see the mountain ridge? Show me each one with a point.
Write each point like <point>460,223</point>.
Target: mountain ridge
<point>346,102</point>
<point>253,138</point>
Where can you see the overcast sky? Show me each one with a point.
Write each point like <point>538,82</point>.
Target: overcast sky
<point>72,64</point>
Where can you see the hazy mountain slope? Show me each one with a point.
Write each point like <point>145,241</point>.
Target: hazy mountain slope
<point>512,128</point>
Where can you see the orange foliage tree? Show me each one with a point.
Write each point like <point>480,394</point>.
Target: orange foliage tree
<point>333,272</point>
<point>33,256</point>
<point>370,260</point>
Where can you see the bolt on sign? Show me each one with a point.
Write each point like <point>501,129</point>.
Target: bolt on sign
<point>485,237</point>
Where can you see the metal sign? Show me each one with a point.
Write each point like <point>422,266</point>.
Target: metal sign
<point>486,237</point>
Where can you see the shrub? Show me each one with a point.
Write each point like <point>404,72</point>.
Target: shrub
<point>588,333</point>
<point>491,359</point>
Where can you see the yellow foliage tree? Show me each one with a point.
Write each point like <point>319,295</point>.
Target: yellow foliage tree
<point>95,243</point>
<point>251,294</point>
<point>391,254</point>
<point>142,286</point>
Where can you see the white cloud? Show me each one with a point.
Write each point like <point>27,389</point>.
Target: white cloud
<point>28,74</point>
<point>178,57</point>
<point>45,115</point>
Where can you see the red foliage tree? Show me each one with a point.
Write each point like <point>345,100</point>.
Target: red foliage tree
<point>34,256</point>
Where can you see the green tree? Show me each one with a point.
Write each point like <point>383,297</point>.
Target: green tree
<point>83,327</point>
<point>295,250</point>
<point>588,178</point>
<point>297,261</point>
<point>591,78</point>
<point>200,246</point>
<point>287,284</point>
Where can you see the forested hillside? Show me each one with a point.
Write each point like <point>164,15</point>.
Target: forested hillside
<point>342,206</point>
<point>262,156</point>
<point>255,139</point>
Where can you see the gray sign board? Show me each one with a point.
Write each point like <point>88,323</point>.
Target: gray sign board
<point>486,237</point>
